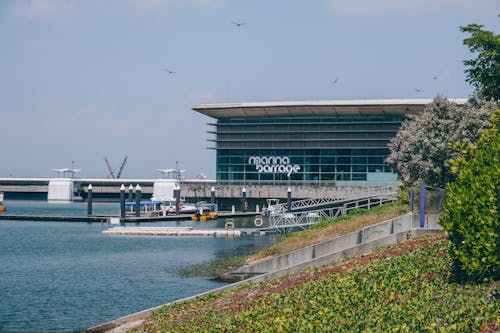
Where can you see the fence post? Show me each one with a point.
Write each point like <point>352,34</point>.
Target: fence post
<point>412,194</point>
<point>422,205</point>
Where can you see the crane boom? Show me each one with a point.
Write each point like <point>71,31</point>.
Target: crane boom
<point>111,173</point>
<point>121,167</point>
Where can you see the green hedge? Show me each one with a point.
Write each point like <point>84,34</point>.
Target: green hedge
<point>471,212</point>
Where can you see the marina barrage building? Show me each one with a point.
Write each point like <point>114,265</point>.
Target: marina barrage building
<point>339,142</point>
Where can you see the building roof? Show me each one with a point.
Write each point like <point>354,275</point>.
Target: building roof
<point>334,108</point>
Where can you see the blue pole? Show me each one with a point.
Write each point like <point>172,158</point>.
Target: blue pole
<point>440,199</point>
<point>422,205</point>
<point>412,194</point>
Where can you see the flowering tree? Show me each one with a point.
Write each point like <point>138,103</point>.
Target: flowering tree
<point>420,151</point>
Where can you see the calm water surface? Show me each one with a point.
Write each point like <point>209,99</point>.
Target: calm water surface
<point>69,276</point>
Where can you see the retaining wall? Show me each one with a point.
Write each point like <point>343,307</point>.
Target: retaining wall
<point>374,234</point>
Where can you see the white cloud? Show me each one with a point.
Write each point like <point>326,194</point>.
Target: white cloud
<point>375,7</point>
<point>158,4</point>
<point>149,4</point>
<point>39,10</point>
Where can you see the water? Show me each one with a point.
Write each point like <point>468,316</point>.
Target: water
<point>69,276</point>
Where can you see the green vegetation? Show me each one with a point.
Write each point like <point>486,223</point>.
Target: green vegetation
<point>420,150</point>
<point>471,213</point>
<point>402,288</point>
<point>355,220</point>
<point>484,71</point>
<point>212,268</point>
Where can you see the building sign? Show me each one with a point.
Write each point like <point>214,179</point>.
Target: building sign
<point>273,164</point>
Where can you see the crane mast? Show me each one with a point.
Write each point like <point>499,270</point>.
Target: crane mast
<point>110,169</point>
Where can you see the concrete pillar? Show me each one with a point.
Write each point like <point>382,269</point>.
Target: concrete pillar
<point>138,193</point>
<point>289,200</point>
<point>122,203</point>
<point>422,205</point>
<point>212,199</point>
<point>244,199</point>
<point>89,200</point>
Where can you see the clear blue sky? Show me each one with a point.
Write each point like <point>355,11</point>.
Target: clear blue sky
<point>84,80</point>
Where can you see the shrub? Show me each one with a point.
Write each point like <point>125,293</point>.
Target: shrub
<point>471,212</point>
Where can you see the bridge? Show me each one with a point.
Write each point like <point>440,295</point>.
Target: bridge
<point>68,189</point>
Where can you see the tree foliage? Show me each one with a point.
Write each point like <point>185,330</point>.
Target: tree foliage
<point>420,152</point>
<point>484,71</point>
<point>471,214</point>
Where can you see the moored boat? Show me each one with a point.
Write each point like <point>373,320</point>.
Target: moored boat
<point>207,216</point>
<point>2,207</point>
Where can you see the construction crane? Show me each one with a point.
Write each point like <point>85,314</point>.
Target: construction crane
<point>111,172</point>
<point>121,167</point>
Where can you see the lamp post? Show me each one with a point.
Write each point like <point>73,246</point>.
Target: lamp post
<point>244,199</point>
<point>130,193</point>
<point>89,200</point>
<point>122,203</point>
<point>138,192</point>
<point>177,194</point>
<point>212,198</point>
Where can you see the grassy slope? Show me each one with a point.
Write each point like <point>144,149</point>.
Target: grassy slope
<point>406,291</point>
<point>402,288</point>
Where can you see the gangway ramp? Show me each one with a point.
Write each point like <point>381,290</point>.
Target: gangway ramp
<point>309,204</point>
<point>303,214</point>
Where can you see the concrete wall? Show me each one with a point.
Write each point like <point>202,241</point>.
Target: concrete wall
<point>60,189</point>
<point>374,235</point>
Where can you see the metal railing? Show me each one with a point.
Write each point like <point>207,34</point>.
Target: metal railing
<point>284,221</point>
<point>307,204</point>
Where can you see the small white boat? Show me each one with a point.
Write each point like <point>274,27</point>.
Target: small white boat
<point>170,207</point>
<point>147,208</point>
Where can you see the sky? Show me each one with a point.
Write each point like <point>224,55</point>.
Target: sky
<point>85,80</point>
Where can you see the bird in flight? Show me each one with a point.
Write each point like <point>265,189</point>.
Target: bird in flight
<point>169,71</point>
<point>435,77</point>
<point>335,81</point>
<point>418,90</point>
<point>238,24</point>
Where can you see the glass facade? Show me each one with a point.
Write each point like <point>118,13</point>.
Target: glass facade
<point>305,150</point>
